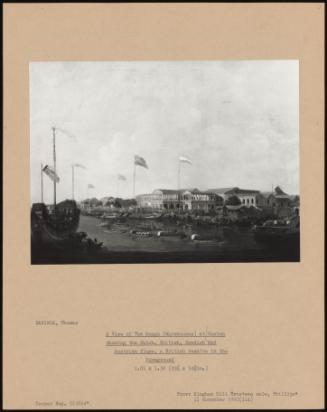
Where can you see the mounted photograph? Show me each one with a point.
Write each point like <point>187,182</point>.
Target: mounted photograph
<point>164,161</point>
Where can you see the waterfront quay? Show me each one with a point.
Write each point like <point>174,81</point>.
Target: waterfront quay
<point>227,204</point>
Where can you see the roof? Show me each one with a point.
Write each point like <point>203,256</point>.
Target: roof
<point>221,190</point>
<point>175,191</point>
<point>266,194</point>
<point>279,191</point>
<point>167,191</point>
<point>212,193</point>
<point>233,190</point>
<point>245,191</point>
<point>191,189</point>
<point>281,196</point>
<point>201,192</point>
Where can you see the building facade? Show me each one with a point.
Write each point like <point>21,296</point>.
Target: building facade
<point>166,199</point>
<point>247,197</point>
<point>150,200</point>
<point>197,200</point>
<point>277,202</point>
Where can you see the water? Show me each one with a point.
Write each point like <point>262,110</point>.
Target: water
<point>228,244</point>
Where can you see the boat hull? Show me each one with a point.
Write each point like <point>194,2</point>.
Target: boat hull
<point>283,233</point>
<point>55,226</point>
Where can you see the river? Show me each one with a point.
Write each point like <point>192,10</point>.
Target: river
<point>215,244</point>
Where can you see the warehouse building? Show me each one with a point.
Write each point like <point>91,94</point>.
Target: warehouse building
<point>185,199</point>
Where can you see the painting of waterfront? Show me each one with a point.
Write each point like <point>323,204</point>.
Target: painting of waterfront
<point>164,162</point>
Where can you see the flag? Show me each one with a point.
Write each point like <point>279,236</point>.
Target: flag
<point>185,160</point>
<point>66,132</point>
<point>51,173</point>
<point>139,161</point>
<point>90,186</point>
<point>121,177</point>
<point>78,165</point>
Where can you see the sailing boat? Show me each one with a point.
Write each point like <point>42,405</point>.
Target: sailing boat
<point>57,222</point>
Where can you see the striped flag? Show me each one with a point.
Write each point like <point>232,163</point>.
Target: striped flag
<point>121,177</point>
<point>51,173</point>
<point>139,161</point>
<point>185,160</point>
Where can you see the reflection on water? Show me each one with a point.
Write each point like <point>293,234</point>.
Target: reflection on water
<point>214,242</point>
<point>117,237</point>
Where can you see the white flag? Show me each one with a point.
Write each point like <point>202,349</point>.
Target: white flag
<point>79,165</point>
<point>185,160</point>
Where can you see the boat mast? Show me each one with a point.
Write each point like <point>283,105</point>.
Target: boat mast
<point>54,168</point>
<point>134,174</point>
<point>73,181</point>
<point>179,175</point>
<point>41,183</point>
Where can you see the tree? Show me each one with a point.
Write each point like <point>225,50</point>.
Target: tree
<point>233,201</point>
<point>95,202</point>
<point>131,202</point>
<point>118,202</point>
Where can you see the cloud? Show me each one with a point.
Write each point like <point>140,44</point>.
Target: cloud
<point>237,121</point>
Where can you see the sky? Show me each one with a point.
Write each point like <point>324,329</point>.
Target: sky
<point>237,121</point>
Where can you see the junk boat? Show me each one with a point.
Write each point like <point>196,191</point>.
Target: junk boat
<point>58,221</point>
<point>278,231</point>
<point>56,224</point>
<point>153,216</point>
<point>171,233</point>
<point>140,233</point>
<point>107,216</point>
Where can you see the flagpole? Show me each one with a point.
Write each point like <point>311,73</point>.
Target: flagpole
<point>54,168</point>
<point>73,182</point>
<point>41,183</point>
<point>134,179</point>
<point>179,175</point>
<point>117,186</point>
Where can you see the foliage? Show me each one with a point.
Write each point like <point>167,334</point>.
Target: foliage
<point>233,201</point>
